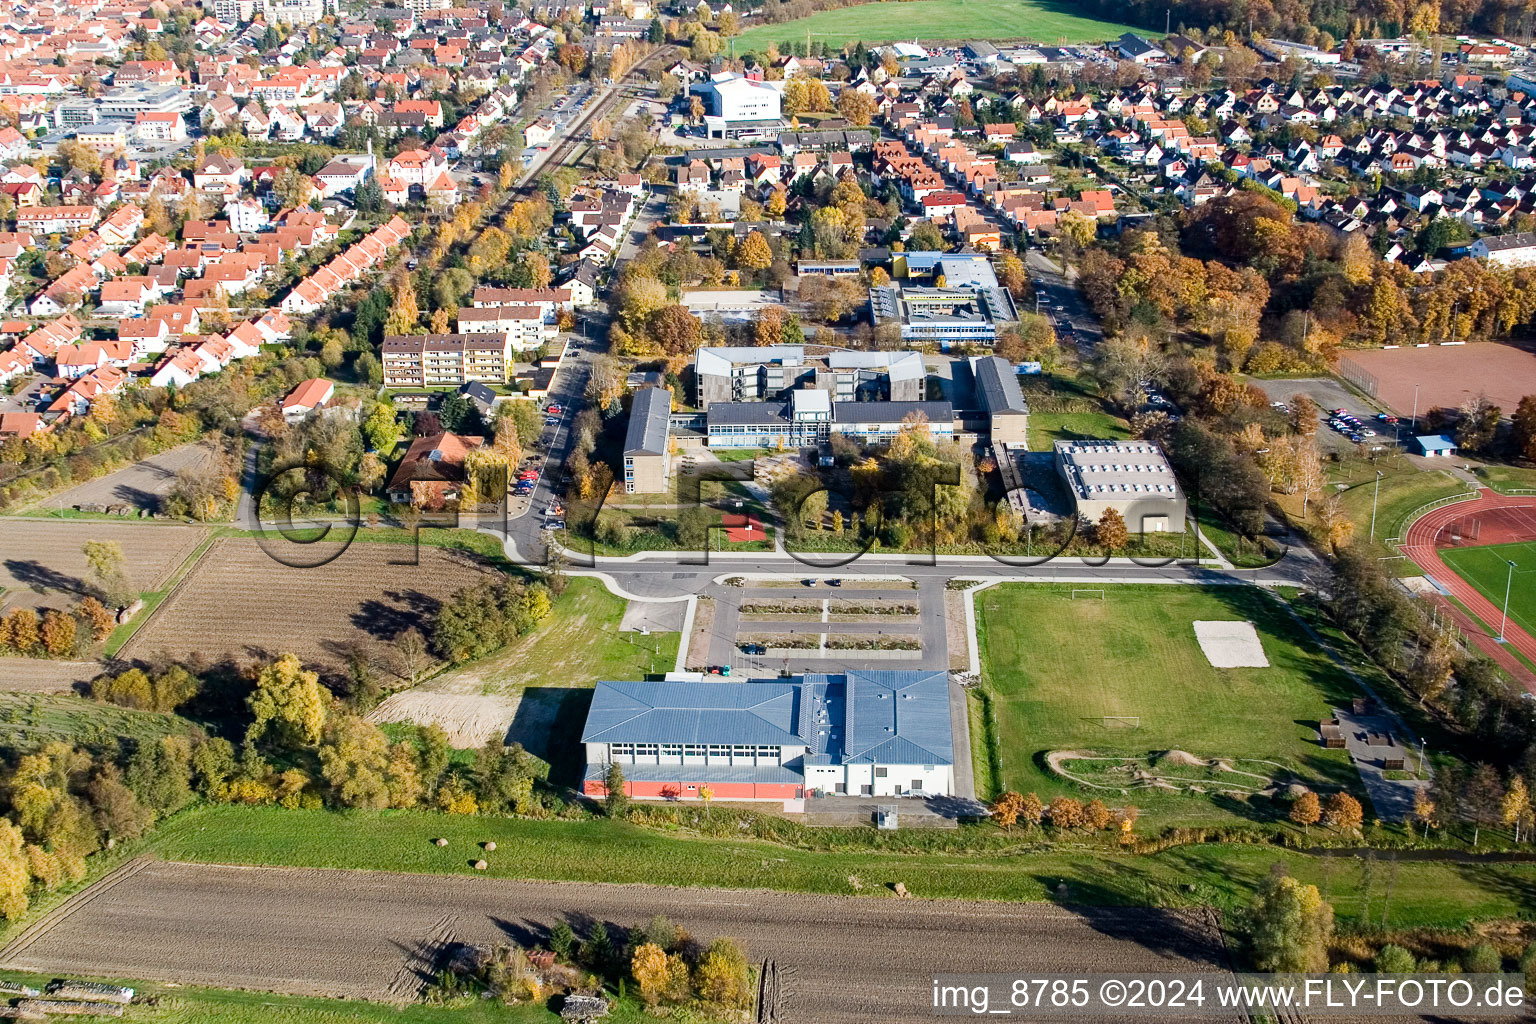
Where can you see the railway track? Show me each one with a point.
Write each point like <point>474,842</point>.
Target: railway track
<point>561,151</point>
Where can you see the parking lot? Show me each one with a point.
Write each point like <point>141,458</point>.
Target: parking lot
<point>1330,395</point>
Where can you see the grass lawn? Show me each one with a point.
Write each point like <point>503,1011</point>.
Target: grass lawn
<point>1404,488</point>
<point>576,646</point>
<point>1426,894</point>
<point>1507,478</point>
<point>1046,428</point>
<point>1040,21</point>
<point>1055,666</point>
<point>1487,569</point>
<point>183,1005</point>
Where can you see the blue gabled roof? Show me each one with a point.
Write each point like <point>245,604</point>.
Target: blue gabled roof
<point>861,717</point>
<point>898,717</point>
<point>662,712</point>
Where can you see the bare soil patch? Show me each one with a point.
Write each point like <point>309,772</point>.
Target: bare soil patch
<point>1448,375</point>
<point>468,719</point>
<point>703,631</point>
<point>240,604</point>
<point>849,960</point>
<point>41,557</point>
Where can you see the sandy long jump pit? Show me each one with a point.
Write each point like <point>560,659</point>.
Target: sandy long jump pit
<point>1230,643</point>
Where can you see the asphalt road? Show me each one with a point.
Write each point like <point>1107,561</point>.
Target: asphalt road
<point>844,960</point>
<point>1055,289</point>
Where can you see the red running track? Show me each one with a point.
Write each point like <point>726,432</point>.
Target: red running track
<point>1505,519</point>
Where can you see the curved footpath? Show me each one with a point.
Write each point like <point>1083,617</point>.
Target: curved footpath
<point>1420,545</point>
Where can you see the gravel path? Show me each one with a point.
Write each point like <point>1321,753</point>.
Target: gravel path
<point>843,960</point>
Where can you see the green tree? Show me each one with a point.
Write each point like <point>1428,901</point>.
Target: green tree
<point>288,703</point>
<point>1394,959</point>
<point>1289,926</point>
<point>355,761</point>
<point>617,800</point>
<point>722,977</point>
<point>108,569</point>
<point>562,941</point>
<point>382,428</point>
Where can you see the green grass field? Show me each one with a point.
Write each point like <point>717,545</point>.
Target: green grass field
<point>167,1004</point>
<point>1487,569</point>
<point>1427,893</point>
<point>29,720</point>
<point>1507,478</point>
<point>1056,666</point>
<point>1039,21</point>
<point>577,645</point>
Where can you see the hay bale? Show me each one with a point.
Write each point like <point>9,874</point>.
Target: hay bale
<point>489,847</point>
<point>439,841</point>
<point>481,865</point>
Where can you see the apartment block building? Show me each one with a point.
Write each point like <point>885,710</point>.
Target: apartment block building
<point>446,360</point>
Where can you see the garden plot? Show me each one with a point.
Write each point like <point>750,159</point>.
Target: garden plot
<point>1230,644</point>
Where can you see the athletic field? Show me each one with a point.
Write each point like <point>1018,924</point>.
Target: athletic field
<point>1039,21</point>
<point>1123,674</point>
<point>1487,569</point>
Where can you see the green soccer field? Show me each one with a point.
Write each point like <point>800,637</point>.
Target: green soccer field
<point>1487,569</point>
<point>1061,670</point>
<point>1039,21</point>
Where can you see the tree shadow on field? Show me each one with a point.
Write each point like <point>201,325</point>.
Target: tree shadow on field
<point>527,933</point>
<point>137,497</point>
<point>425,959</point>
<point>32,573</point>
<point>400,610</point>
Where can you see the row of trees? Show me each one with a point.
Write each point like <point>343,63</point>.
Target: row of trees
<point>1064,813</point>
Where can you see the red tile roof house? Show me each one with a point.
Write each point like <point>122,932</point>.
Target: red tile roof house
<point>50,219</point>
<point>312,394</point>
<point>148,336</point>
<point>432,471</point>
<point>78,360</point>
<point>20,424</point>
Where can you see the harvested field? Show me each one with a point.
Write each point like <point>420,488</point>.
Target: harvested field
<point>41,675</point>
<point>40,556</point>
<point>528,717</point>
<point>1448,375</point>
<point>845,960</point>
<point>238,603</point>
<point>139,486</point>
<point>468,719</point>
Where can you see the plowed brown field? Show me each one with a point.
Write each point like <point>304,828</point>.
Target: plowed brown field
<point>844,960</point>
<point>239,603</point>
<point>37,556</point>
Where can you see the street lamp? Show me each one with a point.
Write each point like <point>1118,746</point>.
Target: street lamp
<point>1508,580</point>
<point>1374,496</point>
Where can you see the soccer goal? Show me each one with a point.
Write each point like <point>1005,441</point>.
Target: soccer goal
<point>1088,595</point>
<point>1121,721</point>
